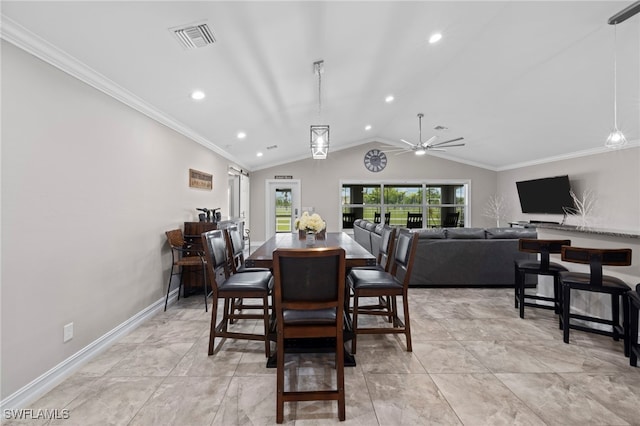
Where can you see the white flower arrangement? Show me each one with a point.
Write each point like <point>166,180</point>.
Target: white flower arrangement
<point>310,223</point>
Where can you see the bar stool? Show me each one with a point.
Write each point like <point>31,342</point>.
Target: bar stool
<point>634,309</point>
<point>596,282</point>
<point>538,267</point>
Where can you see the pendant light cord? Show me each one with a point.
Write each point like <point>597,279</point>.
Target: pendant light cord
<point>319,90</point>
<point>615,76</point>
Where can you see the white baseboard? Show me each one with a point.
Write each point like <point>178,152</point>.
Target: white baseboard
<point>52,378</point>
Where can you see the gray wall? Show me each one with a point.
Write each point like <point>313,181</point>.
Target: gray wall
<point>89,186</point>
<point>614,176</point>
<point>320,182</point>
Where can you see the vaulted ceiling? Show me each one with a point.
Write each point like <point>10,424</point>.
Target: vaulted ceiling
<point>521,81</point>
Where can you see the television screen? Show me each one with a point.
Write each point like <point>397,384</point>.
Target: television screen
<point>548,195</point>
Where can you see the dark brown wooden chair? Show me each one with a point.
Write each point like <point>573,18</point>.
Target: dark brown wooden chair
<point>634,310</point>
<point>183,255</point>
<point>595,281</point>
<point>414,220</point>
<point>227,286</point>
<point>538,267</point>
<point>382,284</point>
<point>235,257</point>
<point>309,294</point>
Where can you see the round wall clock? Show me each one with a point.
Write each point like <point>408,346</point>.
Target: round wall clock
<point>375,160</point>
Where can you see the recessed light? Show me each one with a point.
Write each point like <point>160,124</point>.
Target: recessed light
<point>389,99</point>
<point>435,38</point>
<point>241,135</point>
<point>197,95</point>
<point>259,154</point>
<point>367,127</point>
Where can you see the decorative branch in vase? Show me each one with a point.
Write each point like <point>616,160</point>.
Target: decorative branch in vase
<point>496,208</point>
<point>583,207</point>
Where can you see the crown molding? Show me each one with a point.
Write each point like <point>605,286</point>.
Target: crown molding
<point>24,39</point>
<point>577,154</point>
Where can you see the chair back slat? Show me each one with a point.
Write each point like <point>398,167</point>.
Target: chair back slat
<point>543,247</point>
<point>386,247</point>
<point>596,258</point>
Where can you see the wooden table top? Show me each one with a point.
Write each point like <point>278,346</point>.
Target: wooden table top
<point>355,254</point>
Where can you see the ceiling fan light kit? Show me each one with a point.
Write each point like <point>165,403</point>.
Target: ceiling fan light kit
<point>421,147</point>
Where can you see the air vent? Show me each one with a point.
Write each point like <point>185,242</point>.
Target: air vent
<point>194,36</point>
<point>441,128</point>
<point>272,147</point>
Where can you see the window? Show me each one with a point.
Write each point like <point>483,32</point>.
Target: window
<point>428,204</point>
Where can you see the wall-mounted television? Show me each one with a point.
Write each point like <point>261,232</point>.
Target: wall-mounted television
<point>547,195</point>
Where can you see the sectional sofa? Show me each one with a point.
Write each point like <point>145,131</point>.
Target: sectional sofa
<point>458,256</point>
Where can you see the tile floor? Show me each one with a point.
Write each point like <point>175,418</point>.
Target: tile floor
<point>474,362</point>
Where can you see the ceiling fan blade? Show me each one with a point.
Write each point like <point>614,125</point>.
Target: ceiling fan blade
<point>446,146</point>
<point>428,141</point>
<point>386,151</point>
<point>446,142</point>
<point>403,152</point>
<point>437,149</point>
<point>408,143</point>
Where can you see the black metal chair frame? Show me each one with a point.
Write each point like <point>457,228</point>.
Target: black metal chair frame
<point>451,220</point>
<point>414,220</point>
<point>595,281</point>
<point>377,218</point>
<point>538,267</point>
<point>309,303</point>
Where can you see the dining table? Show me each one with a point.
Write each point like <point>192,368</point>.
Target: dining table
<point>355,256</point>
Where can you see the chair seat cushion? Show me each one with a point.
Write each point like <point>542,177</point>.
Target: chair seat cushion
<point>581,280</point>
<point>244,269</point>
<point>372,278</point>
<point>248,281</point>
<point>529,265</point>
<point>309,317</point>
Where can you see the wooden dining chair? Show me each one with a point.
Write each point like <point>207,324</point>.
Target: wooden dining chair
<point>309,294</point>
<point>382,284</point>
<point>183,255</point>
<point>248,285</point>
<point>235,257</point>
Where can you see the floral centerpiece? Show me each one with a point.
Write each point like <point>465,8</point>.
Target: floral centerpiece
<point>309,224</point>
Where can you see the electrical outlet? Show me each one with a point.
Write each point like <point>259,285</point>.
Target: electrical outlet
<point>68,332</point>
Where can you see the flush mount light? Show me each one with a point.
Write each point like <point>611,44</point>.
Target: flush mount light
<point>367,127</point>
<point>241,135</point>
<point>435,38</point>
<point>389,99</point>
<point>197,95</point>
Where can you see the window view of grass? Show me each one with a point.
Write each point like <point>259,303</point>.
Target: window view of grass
<point>434,202</point>
<point>284,222</point>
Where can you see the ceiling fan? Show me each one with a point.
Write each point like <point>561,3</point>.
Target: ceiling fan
<point>421,148</point>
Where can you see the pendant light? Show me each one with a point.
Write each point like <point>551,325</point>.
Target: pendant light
<point>319,133</point>
<point>616,138</point>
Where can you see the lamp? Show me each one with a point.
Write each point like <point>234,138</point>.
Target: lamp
<point>319,133</point>
<point>616,138</point>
